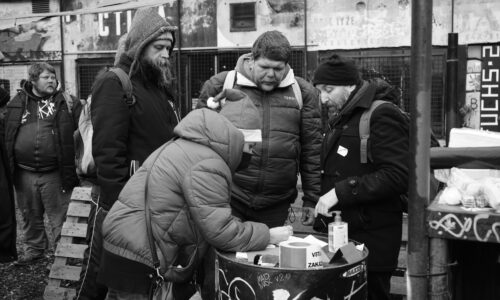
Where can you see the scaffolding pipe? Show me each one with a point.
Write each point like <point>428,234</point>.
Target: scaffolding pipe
<point>420,97</point>
<point>186,106</point>
<point>304,74</point>
<point>451,84</point>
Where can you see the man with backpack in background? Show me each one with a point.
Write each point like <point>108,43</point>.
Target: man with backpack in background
<point>291,136</point>
<point>38,139</point>
<point>127,128</point>
<point>363,177</point>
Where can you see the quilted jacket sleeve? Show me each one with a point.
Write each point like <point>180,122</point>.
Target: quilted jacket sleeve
<point>310,140</point>
<point>207,191</point>
<point>110,120</point>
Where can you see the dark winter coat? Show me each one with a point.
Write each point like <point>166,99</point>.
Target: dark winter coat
<point>8,227</point>
<point>43,144</point>
<point>189,191</point>
<point>369,193</point>
<point>124,133</point>
<point>291,141</point>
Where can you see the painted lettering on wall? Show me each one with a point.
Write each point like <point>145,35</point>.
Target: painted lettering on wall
<point>490,79</point>
<point>117,23</point>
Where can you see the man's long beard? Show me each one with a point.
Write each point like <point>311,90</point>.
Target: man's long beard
<point>157,72</point>
<point>335,106</point>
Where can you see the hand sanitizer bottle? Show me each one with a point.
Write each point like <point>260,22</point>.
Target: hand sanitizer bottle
<point>337,233</point>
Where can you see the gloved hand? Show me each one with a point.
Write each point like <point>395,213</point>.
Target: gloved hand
<point>307,216</point>
<point>227,94</point>
<point>326,202</point>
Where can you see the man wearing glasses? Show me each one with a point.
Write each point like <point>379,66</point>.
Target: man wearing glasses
<point>40,150</point>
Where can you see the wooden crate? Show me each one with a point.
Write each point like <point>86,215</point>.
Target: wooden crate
<point>69,251</point>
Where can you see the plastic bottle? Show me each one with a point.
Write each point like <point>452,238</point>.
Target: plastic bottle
<point>337,233</point>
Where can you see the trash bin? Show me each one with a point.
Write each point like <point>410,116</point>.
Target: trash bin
<point>237,279</point>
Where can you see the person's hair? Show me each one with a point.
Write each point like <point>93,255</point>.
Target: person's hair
<point>37,68</point>
<point>272,45</point>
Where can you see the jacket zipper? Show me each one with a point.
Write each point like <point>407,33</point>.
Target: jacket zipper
<point>37,139</point>
<point>265,142</point>
<point>175,111</point>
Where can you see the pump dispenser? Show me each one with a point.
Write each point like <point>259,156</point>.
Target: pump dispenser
<point>337,233</point>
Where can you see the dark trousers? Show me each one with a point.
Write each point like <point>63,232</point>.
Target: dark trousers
<point>379,285</point>
<point>272,216</point>
<point>90,288</point>
<point>40,193</point>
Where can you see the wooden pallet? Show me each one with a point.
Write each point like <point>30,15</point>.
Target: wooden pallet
<point>69,253</point>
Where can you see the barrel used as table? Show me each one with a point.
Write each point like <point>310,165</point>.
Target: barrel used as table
<point>237,279</point>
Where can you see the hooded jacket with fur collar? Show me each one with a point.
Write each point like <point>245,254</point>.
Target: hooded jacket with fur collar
<point>125,133</point>
<point>291,140</point>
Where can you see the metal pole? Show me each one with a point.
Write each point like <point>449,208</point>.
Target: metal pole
<point>304,74</point>
<point>451,84</point>
<point>61,30</point>
<point>185,107</point>
<point>420,94</point>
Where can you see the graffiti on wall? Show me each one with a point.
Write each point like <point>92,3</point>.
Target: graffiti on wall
<point>38,40</point>
<point>366,24</point>
<point>483,227</point>
<point>477,21</point>
<point>490,80</point>
<point>101,31</point>
<point>252,284</point>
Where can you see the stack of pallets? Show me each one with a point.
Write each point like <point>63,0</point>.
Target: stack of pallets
<point>65,271</point>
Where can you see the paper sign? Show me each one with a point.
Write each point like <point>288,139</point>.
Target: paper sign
<point>342,151</point>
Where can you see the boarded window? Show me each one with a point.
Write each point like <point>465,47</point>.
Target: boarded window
<point>40,6</point>
<point>242,16</point>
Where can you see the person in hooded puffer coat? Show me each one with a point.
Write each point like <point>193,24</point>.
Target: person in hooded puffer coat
<point>188,190</point>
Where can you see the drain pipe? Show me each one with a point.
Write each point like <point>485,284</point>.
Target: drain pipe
<point>451,84</point>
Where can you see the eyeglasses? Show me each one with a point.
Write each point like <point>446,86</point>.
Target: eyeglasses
<point>48,77</point>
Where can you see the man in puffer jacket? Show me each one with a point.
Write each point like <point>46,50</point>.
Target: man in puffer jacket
<point>291,134</point>
<point>39,144</point>
<point>188,192</point>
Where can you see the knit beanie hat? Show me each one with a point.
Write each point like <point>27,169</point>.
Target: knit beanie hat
<point>147,25</point>
<point>240,110</point>
<point>337,71</point>
<point>4,97</point>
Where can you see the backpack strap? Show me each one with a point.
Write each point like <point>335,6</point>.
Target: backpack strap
<point>297,92</point>
<point>231,79</point>
<point>364,131</point>
<point>126,84</point>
